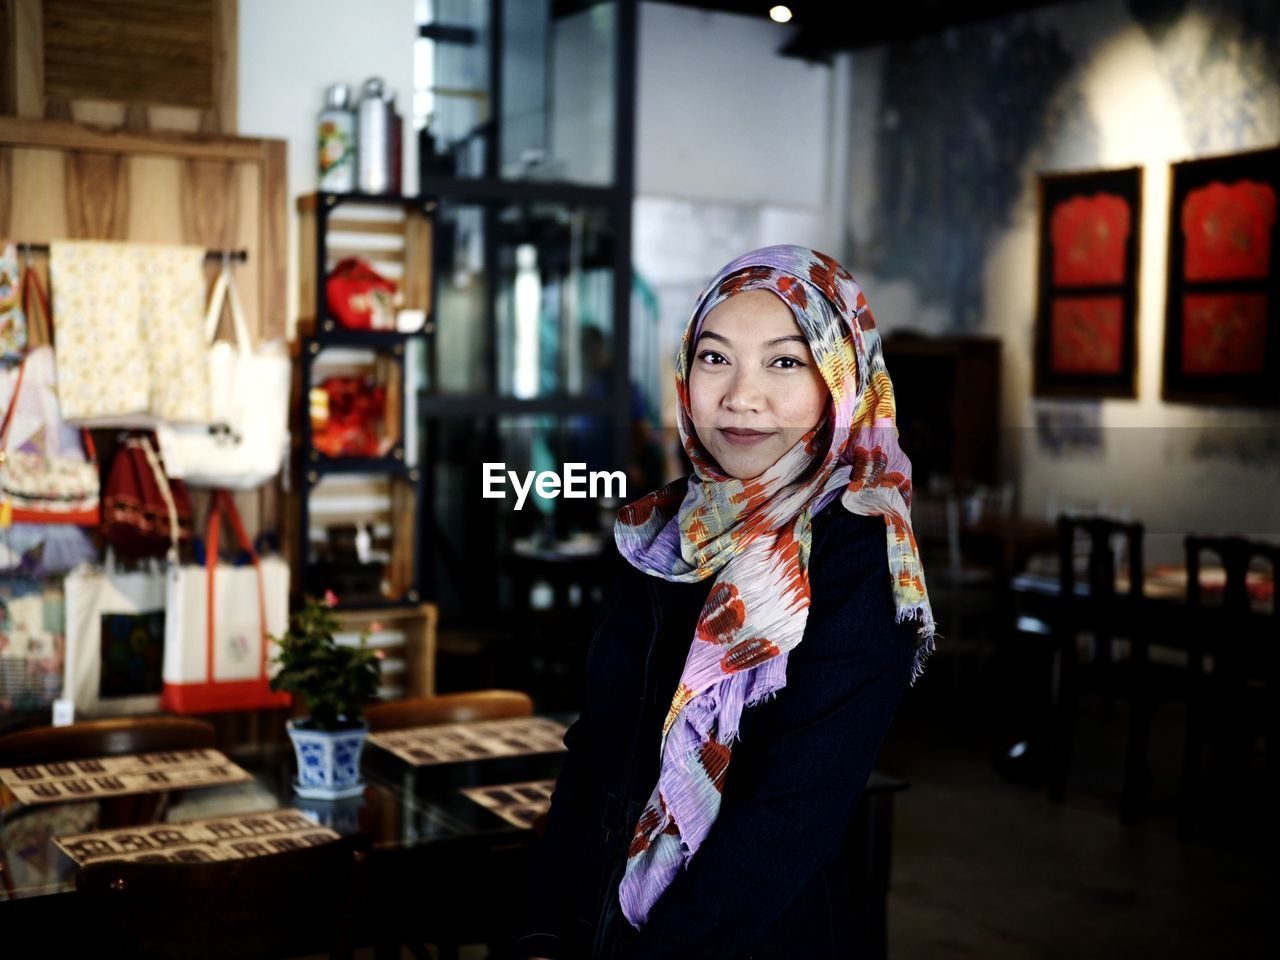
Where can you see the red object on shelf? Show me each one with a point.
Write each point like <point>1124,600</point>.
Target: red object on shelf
<point>356,411</point>
<point>359,297</point>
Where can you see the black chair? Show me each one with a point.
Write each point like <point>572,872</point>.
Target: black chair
<point>293,903</point>
<point>104,738</point>
<point>1229,704</point>
<point>1096,607</point>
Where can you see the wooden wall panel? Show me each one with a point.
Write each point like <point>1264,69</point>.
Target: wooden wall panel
<point>153,216</point>
<point>137,64</point>
<point>153,51</point>
<point>97,196</point>
<point>208,204</point>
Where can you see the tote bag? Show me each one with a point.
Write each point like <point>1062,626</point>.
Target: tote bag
<point>48,472</point>
<point>144,514</point>
<point>217,650</point>
<point>246,440</point>
<point>115,624</point>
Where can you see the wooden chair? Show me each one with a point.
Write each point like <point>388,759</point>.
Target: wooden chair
<point>465,707</point>
<point>1096,607</point>
<point>1242,646</point>
<point>449,929</point>
<point>104,738</point>
<point>286,904</point>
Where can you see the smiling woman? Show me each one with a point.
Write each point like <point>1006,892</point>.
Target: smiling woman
<point>750,658</point>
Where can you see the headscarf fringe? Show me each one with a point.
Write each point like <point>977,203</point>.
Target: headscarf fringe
<point>927,634</point>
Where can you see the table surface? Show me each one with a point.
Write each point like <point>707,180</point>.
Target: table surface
<point>402,807</point>
<point>1165,582</point>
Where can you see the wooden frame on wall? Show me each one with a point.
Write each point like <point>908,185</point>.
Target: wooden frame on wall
<point>1087,284</point>
<point>63,181</point>
<point>1222,320</point>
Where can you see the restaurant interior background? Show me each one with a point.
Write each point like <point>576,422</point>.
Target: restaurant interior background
<point>1045,800</point>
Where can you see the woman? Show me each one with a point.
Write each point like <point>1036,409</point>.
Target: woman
<point>769,616</point>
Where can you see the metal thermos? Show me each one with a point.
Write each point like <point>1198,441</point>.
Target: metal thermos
<point>337,141</point>
<point>373,126</point>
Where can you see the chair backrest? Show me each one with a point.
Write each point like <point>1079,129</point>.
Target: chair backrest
<point>284,904</point>
<point>1237,555</point>
<point>104,738</point>
<point>465,707</point>
<point>1101,534</point>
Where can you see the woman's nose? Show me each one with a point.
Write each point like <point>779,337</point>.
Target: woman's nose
<point>744,393</point>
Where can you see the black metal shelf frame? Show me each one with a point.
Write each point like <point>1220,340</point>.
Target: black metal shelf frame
<point>491,192</point>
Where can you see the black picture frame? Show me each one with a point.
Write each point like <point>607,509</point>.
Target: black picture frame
<point>1247,374</point>
<point>1073,358</point>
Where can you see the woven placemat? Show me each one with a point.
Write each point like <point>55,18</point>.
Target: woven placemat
<point>517,803</point>
<point>199,841</point>
<point>456,742</point>
<point>93,778</point>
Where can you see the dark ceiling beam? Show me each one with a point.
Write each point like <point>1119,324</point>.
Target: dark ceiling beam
<point>819,29</point>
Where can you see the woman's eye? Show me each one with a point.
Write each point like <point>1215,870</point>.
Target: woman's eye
<point>711,357</point>
<point>789,363</point>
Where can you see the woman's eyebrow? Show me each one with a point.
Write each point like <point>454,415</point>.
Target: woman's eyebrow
<point>790,338</point>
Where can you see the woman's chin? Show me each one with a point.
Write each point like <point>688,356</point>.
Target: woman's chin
<point>742,467</point>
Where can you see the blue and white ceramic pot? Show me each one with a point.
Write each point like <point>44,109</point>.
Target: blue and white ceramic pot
<point>328,761</point>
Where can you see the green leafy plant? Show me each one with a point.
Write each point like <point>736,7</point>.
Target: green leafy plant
<point>335,680</point>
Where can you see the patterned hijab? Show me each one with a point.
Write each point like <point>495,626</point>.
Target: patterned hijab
<point>753,537</point>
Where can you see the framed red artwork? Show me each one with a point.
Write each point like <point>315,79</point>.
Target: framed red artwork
<point>1222,322</point>
<point>1085,344</point>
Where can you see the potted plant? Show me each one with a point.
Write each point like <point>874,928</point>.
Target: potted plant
<point>335,680</point>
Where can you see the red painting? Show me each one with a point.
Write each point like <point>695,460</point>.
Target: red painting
<point>1224,333</point>
<point>1227,230</point>
<point>1087,335</point>
<point>1089,236</point>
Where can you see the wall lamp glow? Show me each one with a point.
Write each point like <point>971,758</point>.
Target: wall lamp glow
<point>780,14</point>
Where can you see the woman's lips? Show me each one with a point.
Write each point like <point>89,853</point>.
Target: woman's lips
<point>744,438</point>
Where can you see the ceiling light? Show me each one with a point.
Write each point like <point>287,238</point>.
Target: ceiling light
<point>780,14</point>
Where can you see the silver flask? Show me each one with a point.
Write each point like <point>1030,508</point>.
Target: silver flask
<point>373,159</point>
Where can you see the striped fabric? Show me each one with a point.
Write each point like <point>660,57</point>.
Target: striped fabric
<point>753,537</point>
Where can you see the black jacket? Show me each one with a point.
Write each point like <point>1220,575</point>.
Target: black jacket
<point>769,880</point>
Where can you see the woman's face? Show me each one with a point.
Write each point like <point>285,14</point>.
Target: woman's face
<point>753,385</point>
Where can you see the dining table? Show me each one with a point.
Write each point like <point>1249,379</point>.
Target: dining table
<point>443,855</point>
<point>1032,681</point>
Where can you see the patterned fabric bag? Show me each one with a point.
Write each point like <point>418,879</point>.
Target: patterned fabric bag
<point>48,472</point>
<point>13,322</point>
<point>144,513</point>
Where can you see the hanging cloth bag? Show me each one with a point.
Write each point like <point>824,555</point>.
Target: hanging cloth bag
<point>246,441</point>
<point>115,624</point>
<point>13,321</point>
<point>219,622</point>
<point>144,513</point>
<point>45,475</point>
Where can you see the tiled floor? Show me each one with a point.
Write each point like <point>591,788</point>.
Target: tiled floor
<point>989,869</point>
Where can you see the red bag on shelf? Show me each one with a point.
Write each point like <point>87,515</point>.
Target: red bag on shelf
<point>360,298</point>
<point>347,417</point>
